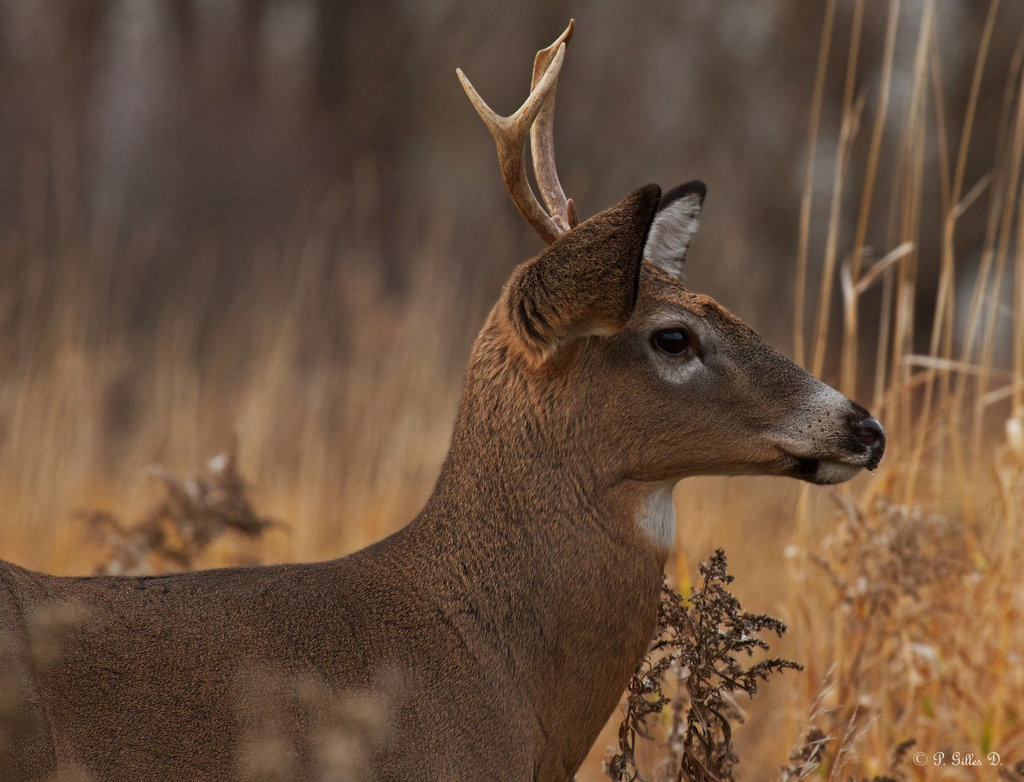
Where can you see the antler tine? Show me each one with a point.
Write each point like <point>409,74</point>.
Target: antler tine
<point>542,142</point>
<point>510,134</point>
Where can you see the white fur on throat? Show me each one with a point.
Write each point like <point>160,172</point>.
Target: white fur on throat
<point>658,518</point>
<point>671,232</point>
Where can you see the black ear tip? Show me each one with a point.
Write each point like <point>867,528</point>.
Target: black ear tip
<point>646,201</point>
<point>650,192</point>
<point>692,188</point>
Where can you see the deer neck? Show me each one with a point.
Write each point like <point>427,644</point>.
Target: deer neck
<point>561,578</point>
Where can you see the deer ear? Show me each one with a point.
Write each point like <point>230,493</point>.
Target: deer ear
<point>586,282</point>
<point>674,226</point>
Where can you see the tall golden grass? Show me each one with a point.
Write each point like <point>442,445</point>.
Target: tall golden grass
<point>903,590</point>
<point>908,611</point>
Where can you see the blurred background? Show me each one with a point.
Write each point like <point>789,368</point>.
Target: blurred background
<point>281,221</point>
<point>221,130</point>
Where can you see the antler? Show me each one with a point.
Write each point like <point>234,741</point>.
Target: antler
<point>535,118</point>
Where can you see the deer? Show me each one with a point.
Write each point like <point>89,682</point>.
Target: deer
<point>497,630</point>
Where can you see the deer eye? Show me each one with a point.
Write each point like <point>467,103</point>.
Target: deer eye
<point>674,342</point>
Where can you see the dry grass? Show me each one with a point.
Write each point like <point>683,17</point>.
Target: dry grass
<point>903,591</point>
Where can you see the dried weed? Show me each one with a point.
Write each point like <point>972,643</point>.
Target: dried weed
<point>180,527</point>
<point>696,655</point>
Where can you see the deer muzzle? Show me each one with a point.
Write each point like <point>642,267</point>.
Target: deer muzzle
<point>833,440</point>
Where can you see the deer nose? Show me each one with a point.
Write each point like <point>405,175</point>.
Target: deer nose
<point>871,433</point>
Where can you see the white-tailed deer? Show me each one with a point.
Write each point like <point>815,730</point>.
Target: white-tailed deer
<point>502,624</point>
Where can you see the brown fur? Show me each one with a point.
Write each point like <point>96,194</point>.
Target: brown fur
<point>501,625</point>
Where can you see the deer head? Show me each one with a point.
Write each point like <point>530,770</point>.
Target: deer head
<point>655,381</point>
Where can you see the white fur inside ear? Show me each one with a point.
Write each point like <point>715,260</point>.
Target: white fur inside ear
<point>671,232</point>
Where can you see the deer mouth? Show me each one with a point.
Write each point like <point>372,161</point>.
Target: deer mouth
<point>827,470</point>
<point>823,472</point>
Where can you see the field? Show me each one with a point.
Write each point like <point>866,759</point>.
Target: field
<point>902,591</point>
